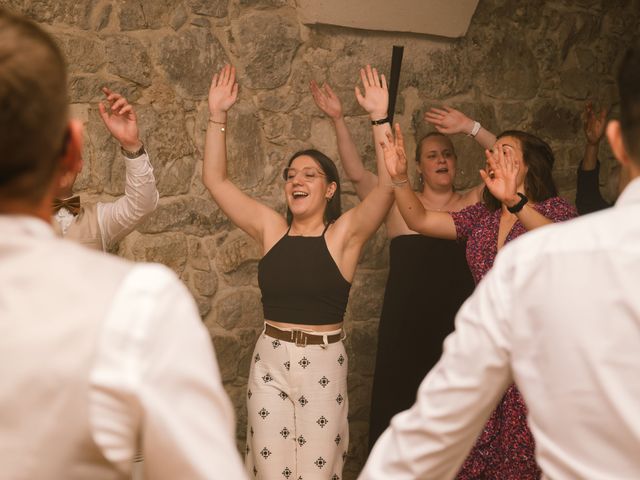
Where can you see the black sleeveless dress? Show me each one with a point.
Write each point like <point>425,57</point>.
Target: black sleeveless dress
<point>428,281</point>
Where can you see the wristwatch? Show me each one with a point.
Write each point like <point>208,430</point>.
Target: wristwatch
<point>135,154</point>
<point>518,206</point>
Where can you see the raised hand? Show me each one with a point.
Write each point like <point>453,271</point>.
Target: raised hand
<point>501,173</point>
<point>376,96</point>
<point>326,99</point>
<point>594,123</point>
<point>223,91</point>
<point>395,157</point>
<point>120,119</point>
<point>448,120</point>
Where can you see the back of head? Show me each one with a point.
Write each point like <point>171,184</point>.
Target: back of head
<point>629,87</point>
<point>33,109</point>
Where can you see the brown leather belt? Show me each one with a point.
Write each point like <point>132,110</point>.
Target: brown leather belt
<point>299,337</point>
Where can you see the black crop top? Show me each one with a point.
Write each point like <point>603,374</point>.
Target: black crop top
<point>301,283</point>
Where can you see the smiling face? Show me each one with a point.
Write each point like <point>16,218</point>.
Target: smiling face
<point>437,162</point>
<point>306,188</point>
<point>512,147</point>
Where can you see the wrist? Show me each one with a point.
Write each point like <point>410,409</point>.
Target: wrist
<point>375,116</point>
<point>475,128</point>
<point>218,116</point>
<point>131,146</point>
<point>512,200</point>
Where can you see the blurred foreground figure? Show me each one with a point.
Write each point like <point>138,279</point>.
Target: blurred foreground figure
<point>98,357</point>
<point>559,314</point>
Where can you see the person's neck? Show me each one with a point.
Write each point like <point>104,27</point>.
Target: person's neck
<point>310,227</point>
<point>41,210</point>
<point>437,198</point>
<point>63,193</point>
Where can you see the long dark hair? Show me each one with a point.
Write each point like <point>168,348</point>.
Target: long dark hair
<point>334,206</point>
<point>539,159</point>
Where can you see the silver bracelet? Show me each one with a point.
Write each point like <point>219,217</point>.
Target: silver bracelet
<point>400,183</point>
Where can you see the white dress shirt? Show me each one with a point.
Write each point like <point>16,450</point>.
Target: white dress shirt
<point>559,314</point>
<point>154,384</point>
<point>117,219</point>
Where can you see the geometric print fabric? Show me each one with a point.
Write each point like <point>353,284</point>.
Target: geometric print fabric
<point>297,405</point>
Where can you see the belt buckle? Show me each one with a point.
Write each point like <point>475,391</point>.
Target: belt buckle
<point>297,336</point>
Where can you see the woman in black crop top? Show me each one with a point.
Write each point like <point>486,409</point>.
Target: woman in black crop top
<point>297,397</point>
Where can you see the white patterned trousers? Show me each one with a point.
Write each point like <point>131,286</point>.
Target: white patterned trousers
<point>297,411</point>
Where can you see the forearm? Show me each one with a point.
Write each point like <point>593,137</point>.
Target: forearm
<point>418,218</point>
<point>590,157</point>
<point>531,219</point>
<point>485,138</point>
<point>588,196</point>
<point>362,179</point>
<point>214,170</point>
<point>116,219</point>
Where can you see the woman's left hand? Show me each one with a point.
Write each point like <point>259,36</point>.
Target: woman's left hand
<point>501,175</point>
<point>376,96</point>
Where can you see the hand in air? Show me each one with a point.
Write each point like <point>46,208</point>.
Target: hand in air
<point>593,123</point>
<point>120,119</point>
<point>326,99</point>
<point>501,173</point>
<point>395,157</point>
<point>448,120</point>
<point>223,91</point>
<point>376,95</point>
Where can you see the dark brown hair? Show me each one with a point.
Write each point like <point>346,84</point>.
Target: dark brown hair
<point>334,205</point>
<point>539,159</point>
<point>33,108</point>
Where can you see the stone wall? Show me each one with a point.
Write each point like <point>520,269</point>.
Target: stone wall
<point>528,65</point>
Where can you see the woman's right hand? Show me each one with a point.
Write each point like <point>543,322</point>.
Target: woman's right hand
<point>223,91</point>
<point>395,157</point>
<point>376,95</point>
<point>594,124</point>
<point>326,100</point>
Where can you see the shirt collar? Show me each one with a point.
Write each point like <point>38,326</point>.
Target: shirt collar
<point>24,225</point>
<point>631,194</point>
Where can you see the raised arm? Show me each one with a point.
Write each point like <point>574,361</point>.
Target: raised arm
<point>450,121</point>
<point>588,197</point>
<point>419,219</point>
<point>117,219</point>
<point>245,212</point>
<point>363,180</point>
<point>367,217</point>
<point>500,178</point>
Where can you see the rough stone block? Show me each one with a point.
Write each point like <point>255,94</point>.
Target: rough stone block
<point>169,249</point>
<point>128,58</point>
<point>265,44</point>
<point>190,58</point>
<point>193,216</point>
<point>237,308</point>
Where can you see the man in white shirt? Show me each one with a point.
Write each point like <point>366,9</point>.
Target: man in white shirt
<point>100,225</point>
<point>99,357</point>
<point>559,314</point>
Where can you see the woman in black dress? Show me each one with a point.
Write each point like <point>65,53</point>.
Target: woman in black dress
<point>428,277</point>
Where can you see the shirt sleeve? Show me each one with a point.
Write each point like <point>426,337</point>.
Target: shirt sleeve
<point>466,219</point>
<point>588,197</point>
<point>156,386</point>
<point>557,209</point>
<point>117,219</point>
<point>432,438</point>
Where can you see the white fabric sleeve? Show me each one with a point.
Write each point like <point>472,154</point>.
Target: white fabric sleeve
<point>156,385</point>
<point>117,219</point>
<point>433,437</point>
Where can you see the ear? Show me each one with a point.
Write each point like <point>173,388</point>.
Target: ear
<point>71,161</point>
<point>614,135</point>
<point>331,190</point>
